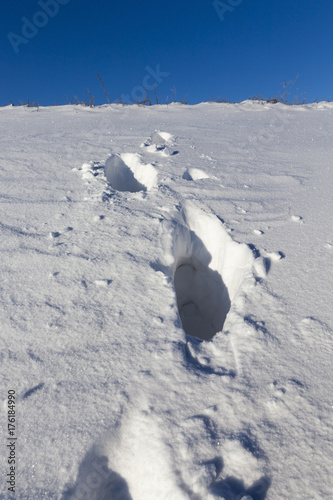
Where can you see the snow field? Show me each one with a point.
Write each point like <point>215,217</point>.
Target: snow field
<point>101,282</point>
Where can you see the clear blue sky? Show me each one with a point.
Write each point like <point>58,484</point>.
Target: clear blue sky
<point>249,49</point>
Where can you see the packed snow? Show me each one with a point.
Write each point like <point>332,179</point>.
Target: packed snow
<point>166,291</point>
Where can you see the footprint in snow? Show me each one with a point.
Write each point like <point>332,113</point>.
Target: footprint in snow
<point>161,143</point>
<point>133,462</point>
<point>208,269</point>
<point>126,172</point>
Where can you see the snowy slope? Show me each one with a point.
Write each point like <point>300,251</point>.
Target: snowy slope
<point>121,229</point>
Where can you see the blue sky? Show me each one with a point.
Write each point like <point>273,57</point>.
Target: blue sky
<point>51,54</point>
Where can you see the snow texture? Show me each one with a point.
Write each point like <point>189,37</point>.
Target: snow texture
<point>166,316</point>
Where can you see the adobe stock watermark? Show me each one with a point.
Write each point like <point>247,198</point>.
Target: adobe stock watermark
<point>227,6</point>
<point>98,135</point>
<point>30,28</point>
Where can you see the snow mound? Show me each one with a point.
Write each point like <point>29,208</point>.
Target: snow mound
<point>208,269</point>
<point>194,174</point>
<point>126,172</point>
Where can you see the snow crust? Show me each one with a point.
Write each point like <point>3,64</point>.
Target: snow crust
<point>166,292</point>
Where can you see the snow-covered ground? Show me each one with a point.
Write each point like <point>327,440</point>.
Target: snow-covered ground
<point>121,229</point>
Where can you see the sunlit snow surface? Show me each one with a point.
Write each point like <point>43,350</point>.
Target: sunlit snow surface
<point>121,229</point>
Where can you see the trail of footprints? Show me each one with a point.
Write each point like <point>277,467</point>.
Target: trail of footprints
<point>208,268</point>
<point>209,271</point>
